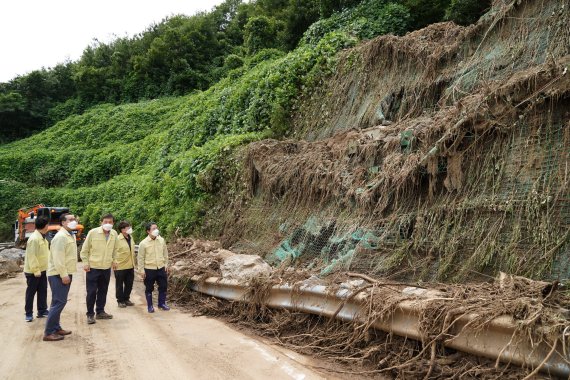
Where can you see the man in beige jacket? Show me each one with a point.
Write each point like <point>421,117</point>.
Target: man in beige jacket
<point>153,266</point>
<point>124,264</point>
<point>97,255</point>
<point>62,263</point>
<point>35,267</point>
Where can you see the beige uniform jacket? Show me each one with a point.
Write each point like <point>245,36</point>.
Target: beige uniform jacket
<point>152,254</point>
<point>124,255</point>
<point>62,259</point>
<point>98,250</point>
<point>37,253</point>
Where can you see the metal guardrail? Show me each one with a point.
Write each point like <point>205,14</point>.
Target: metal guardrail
<point>497,340</point>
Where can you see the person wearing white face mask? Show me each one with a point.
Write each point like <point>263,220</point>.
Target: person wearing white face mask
<point>62,263</point>
<point>153,266</point>
<point>35,267</point>
<point>124,264</point>
<point>97,255</point>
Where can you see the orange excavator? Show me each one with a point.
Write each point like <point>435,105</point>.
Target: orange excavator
<point>25,225</point>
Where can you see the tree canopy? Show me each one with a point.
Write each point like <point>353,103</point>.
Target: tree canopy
<point>182,54</point>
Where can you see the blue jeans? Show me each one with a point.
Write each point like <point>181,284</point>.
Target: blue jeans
<point>59,293</point>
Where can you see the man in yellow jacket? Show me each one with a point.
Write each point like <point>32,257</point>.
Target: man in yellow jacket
<point>35,267</point>
<point>153,266</point>
<point>97,256</point>
<point>124,264</point>
<point>62,263</point>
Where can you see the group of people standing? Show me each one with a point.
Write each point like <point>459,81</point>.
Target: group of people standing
<point>104,249</point>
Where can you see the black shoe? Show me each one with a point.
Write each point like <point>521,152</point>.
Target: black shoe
<point>90,319</point>
<point>103,315</point>
<point>122,304</point>
<point>129,303</point>
<point>43,314</point>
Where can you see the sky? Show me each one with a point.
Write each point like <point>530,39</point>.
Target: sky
<point>43,33</point>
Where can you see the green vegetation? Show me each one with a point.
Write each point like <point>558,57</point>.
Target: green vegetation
<point>159,159</point>
<point>367,20</point>
<point>164,159</point>
<point>465,12</point>
<point>183,54</point>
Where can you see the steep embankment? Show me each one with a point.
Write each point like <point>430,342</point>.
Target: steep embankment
<point>435,155</point>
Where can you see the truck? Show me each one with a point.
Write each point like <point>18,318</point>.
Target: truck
<point>25,223</point>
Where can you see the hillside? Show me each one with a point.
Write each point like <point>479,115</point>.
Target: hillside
<point>165,153</point>
<point>159,159</point>
<point>440,155</point>
<point>431,155</point>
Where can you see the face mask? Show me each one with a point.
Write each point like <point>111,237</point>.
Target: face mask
<point>130,231</point>
<point>107,227</point>
<point>72,225</point>
<point>155,233</point>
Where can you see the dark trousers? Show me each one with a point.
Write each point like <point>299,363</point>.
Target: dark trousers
<point>36,285</point>
<point>97,284</point>
<point>124,284</point>
<point>59,293</point>
<point>155,275</point>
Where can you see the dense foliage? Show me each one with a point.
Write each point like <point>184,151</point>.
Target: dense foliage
<point>160,159</point>
<point>182,54</point>
<point>166,159</point>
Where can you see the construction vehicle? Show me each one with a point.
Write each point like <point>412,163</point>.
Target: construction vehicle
<point>25,225</point>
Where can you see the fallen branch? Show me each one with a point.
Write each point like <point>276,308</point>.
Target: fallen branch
<point>378,283</point>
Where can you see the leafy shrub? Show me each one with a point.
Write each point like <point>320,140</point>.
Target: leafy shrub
<point>262,32</point>
<point>233,61</point>
<point>425,12</point>
<point>365,21</point>
<point>465,12</point>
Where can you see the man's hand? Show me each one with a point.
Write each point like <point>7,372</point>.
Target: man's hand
<point>143,275</point>
<point>66,280</point>
<point>37,275</point>
<point>114,266</point>
<point>167,269</point>
<point>86,268</point>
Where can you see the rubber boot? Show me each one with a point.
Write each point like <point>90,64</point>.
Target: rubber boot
<point>149,302</point>
<point>162,301</point>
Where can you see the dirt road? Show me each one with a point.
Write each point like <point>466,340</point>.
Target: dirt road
<point>135,344</point>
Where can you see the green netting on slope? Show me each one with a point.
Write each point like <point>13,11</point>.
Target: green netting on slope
<point>469,173</point>
<point>511,215</point>
<point>323,242</point>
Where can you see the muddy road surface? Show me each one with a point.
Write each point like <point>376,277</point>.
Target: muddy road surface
<point>134,344</point>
